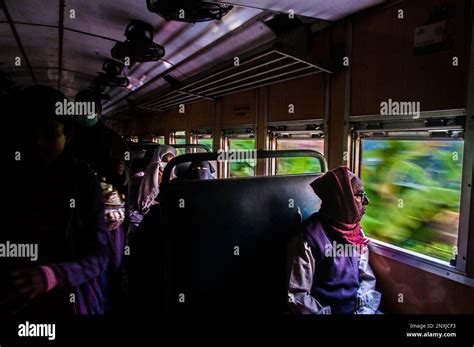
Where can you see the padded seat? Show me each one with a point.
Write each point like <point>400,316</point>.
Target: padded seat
<point>225,241</point>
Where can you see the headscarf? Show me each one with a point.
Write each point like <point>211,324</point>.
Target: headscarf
<point>149,185</point>
<point>339,211</point>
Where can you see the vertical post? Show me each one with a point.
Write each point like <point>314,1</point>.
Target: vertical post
<point>217,134</point>
<point>261,127</point>
<point>188,123</point>
<point>466,226</point>
<point>347,94</point>
<point>327,108</point>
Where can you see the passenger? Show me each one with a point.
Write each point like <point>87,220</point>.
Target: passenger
<point>199,170</point>
<point>54,210</point>
<point>330,272</point>
<point>143,191</point>
<point>99,146</point>
<point>151,180</point>
<point>105,151</point>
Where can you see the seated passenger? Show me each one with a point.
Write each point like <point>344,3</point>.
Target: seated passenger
<point>104,151</point>
<point>144,186</point>
<point>198,170</point>
<point>55,211</point>
<point>330,272</point>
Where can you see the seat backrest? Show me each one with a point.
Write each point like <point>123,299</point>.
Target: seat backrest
<point>226,241</point>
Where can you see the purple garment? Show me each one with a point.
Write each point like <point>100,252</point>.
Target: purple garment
<point>336,279</point>
<point>72,241</point>
<point>116,244</point>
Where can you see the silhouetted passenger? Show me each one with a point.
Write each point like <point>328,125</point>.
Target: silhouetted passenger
<point>330,272</point>
<point>199,170</point>
<point>54,238</point>
<point>149,186</point>
<point>105,151</point>
<point>99,146</point>
<point>144,186</point>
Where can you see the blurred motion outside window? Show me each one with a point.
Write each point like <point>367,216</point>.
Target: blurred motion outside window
<point>414,187</point>
<point>159,139</point>
<point>289,166</point>
<point>179,138</point>
<point>207,141</point>
<point>244,168</point>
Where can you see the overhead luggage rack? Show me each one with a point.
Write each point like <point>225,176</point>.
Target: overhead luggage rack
<point>263,69</point>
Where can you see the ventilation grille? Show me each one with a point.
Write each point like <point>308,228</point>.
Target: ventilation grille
<point>264,69</point>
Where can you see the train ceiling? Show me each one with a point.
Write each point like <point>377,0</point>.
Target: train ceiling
<point>55,48</point>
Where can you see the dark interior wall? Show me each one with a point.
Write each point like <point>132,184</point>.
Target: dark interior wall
<point>238,109</point>
<point>305,94</point>
<point>201,114</point>
<point>384,64</point>
<point>337,100</point>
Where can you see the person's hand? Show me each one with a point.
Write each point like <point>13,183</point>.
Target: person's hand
<point>29,282</point>
<point>25,285</point>
<point>120,168</point>
<point>160,175</point>
<point>114,218</point>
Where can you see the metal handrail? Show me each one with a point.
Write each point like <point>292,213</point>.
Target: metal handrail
<point>214,156</point>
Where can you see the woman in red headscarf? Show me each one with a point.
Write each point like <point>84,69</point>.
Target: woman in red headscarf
<point>330,272</point>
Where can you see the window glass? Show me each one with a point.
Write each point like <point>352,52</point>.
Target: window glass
<point>414,188</point>
<point>207,141</point>
<point>243,168</point>
<point>288,166</point>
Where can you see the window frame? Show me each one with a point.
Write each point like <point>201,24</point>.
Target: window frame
<point>224,168</point>
<point>174,137</point>
<point>438,267</point>
<point>272,163</point>
<point>156,139</point>
<point>195,137</point>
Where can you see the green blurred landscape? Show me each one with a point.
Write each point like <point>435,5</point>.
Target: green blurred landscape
<point>246,168</point>
<point>414,189</point>
<point>290,166</point>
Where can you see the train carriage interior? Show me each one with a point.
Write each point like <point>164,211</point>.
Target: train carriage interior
<point>212,124</point>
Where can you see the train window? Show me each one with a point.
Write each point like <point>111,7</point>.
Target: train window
<point>419,181</point>
<point>178,138</point>
<point>299,140</point>
<point>244,146</point>
<point>158,139</point>
<point>204,140</point>
<point>298,165</point>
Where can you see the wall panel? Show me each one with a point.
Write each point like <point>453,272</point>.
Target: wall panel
<point>423,292</point>
<point>239,109</point>
<point>305,94</point>
<point>384,64</point>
